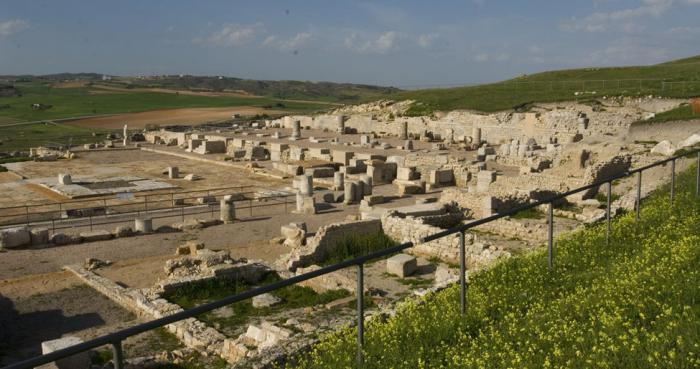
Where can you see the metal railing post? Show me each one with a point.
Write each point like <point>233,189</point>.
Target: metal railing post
<point>550,236</point>
<point>182,213</point>
<point>91,222</point>
<point>360,293</point>
<point>117,355</point>
<point>462,278</point>
<point>26,212</point>
<point>145,202</point>
<point>638,200</point>
<point>607,213</point>
<point>673,179</point>
<point>251,208</point>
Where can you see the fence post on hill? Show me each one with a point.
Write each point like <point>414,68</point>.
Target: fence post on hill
<point>673,179</point>
<point>462,278</point>
<point>550,235</point>
<point>360,296</point>
<point>607,213</point>
<point>638,200</point>
<point>117,355</point>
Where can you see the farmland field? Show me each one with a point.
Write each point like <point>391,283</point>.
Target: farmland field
<point>82,101</point>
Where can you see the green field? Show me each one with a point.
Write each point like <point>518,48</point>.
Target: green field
<point>74,102</point>
<point>21,138</point>
<point>684,112</point>
<point>674,79</point>
<point>634,303</point>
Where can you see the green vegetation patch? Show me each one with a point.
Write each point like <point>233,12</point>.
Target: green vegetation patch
<point>356,245</point>
<point>56,103</point>
<point>684,112</point>
<point>532,213</point>
<point>22,137</point>
<point>679,79</point>
<point>632,303</point>
<point>197,293</point>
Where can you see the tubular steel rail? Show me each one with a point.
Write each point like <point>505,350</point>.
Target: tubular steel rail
<point>115,339</point>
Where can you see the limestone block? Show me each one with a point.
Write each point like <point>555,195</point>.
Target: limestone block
<point>406,173</point>
<point>61,239</point>
<point>77,361</point>
<point>143,225</point>
<point>15,237</point>
<point>664,148</point>
<point>402,265</point>
<point>265,300</point>
<point>97,235</point>
<point>40,236</point>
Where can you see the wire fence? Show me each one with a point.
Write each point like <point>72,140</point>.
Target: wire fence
<point>115,339</point>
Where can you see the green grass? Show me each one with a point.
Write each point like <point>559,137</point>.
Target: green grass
<point>293,297</point>
<point>531,213</point>
<point>684,112</point>
<point>602,197</point>
<point>357,245</point>
<point>560,86</point>
<point>633,303</point>
<point>74,102</point>
<point>25,136</point>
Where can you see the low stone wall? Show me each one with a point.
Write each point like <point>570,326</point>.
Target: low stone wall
<point>192,332</point>
<point>316,249</point>
<point>410,229</point>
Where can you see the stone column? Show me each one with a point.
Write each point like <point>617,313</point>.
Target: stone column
<point>173,172</point>
<point>340,124</point>
<point>65,179</point>
<point>296,130</point>
<point>126,135</point>
<point>338,181</point>
<point>227,211</point>
<point>366,182</point>
<point>476,136</point>
<point>306,185</point>
<point>404,131</point>
<point>143,225</point>
<point>349,192</point>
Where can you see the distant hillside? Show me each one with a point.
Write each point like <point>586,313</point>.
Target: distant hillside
<point>300,90</point>
<point>679,78</point>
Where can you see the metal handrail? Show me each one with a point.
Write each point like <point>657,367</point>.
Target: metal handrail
<point>117,337</point>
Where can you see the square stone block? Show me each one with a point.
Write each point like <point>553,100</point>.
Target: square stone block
<point>402,265</point>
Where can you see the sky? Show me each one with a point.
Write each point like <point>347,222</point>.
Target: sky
<point>398,43</point>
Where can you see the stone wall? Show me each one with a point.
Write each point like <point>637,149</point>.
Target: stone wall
<point>316,249</point>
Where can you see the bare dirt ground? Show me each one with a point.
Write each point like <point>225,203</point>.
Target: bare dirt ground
<point>45,307</point>
<point>188,116</point>
<point>105,164</point>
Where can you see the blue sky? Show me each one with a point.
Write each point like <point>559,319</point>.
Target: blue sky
<point>400,43</point>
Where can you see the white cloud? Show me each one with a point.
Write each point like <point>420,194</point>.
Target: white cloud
<point>381,44</point>
<point>232,35</point>
<point>603,21</point>
<point>12,26</point>
<point>427,40</point>
<point>296,42</point>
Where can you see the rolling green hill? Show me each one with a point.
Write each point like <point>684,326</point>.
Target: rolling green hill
<point>679,78</point>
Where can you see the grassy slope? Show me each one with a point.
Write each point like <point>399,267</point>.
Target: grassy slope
<point>561,86</point>
<point>633,304</point>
